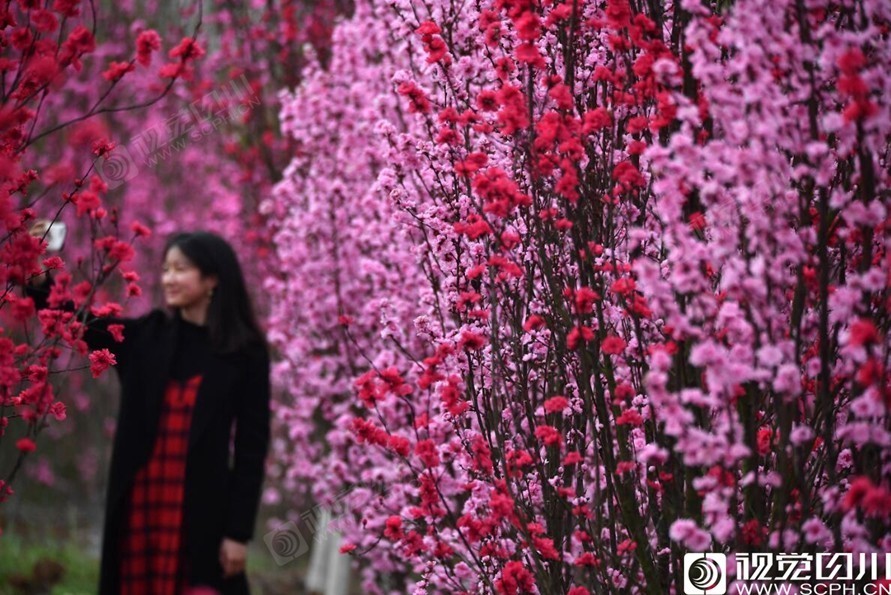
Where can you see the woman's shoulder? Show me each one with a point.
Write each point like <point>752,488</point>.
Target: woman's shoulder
<point>155,317</point>
<point>153,322</point>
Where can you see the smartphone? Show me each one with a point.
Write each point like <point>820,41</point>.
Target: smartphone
<point>55,238</point>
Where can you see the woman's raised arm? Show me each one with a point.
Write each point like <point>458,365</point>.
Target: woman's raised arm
<point>108,332</point>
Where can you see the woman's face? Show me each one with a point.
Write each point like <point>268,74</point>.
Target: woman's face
<point>184,287</point>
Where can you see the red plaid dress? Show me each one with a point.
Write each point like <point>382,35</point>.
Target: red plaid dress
<point>152,547</point>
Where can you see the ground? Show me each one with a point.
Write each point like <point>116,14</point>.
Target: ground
<point>69,565</point>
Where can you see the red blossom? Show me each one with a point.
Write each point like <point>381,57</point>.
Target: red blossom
<point>636,147</point>
<point>871,372</point>
<point>482,455</point>
<point>572,458</point>
<point>613,345</point>
<point>863,332</point>
<point>506,268</point>
<point>584,300</point>
<point>533,322</point>
<point>765,435</point>
<point>623,286</point>
<point>513,116</point>
<point>630,417</point>
<point>515,579</point>
<point>443,550</point>
<point>429,495</point>
<point>140,230</point>
<point>116,70</point>
<point>418,102</point>
<point>121,251</point>
<point>58,411</point>
<point>528,53</point>
<point>471,340</point>
<point>753,533</point>
<point>21,38</point>
<point>549,435</point>
<point>21,309</point>
<point>148,41</point>
<point>618,13</point>
<point>44,21</point>
<point>628,175</point>
<point>86,201</point>
<point>623,392</point>
<point>366,431</point>
<point>579,335</point>
<point>428,28</point>
<point>437,51</point>
<point>68,8</point>
<point>586,559</point>
<point>370,390</point>
<point>627,546</point>
<point>501,193</point>
<point>623,467</point>
<point>471,164</point>
<point>187,49</point>
<point>80,41</point>
<point>488,100</point>
<point>451,397</point>
<point>875,501</point>
<point>426,451</point>
<point>42,70</point>
<point>637,124</point>
<point>433,44</point>
<point>53,263</point>
<point>567,185</point>
<point>101,360</point>
<point>105,310</point>
<point>852,61</point>
<point>26,445</point>
<point>556,404</point>
<point>393,529</point>
<point>596,120</point>
<point>116,331</point>
<point>171,70</point>
<point>545,547</point>
<point>394,382</point>
<point>516,460</point>
<point>101,147</point>
<point>528,26</point>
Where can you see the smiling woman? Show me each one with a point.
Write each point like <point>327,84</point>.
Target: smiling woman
<point>203,284</point>
<point>177,516</point>
<point>185,287</point>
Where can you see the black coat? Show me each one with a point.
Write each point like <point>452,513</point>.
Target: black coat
<point>219,500</point>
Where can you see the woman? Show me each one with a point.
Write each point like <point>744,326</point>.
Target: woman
<point>176,514</point>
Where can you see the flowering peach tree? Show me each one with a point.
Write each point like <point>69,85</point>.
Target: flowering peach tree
<point>44,51</point>
<point>589,285</point>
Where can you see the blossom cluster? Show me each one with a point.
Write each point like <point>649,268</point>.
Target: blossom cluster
<point>588,284</point>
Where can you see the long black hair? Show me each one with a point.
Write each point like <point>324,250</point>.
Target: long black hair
<point>231,321</point>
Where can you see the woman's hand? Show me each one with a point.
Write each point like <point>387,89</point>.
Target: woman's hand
<point>39,227</point>
<point>232,556</point>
